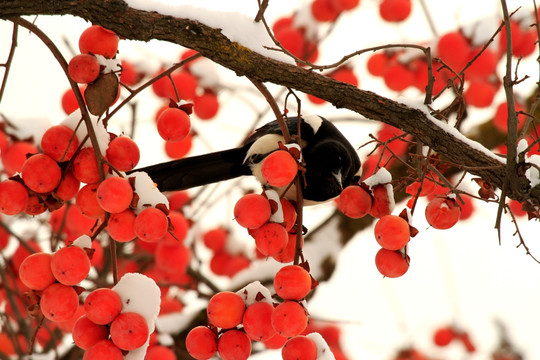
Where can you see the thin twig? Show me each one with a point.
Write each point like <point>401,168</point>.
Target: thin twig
<point>9,60</point>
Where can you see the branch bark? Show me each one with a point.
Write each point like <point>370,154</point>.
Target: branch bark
<point>210,42</point>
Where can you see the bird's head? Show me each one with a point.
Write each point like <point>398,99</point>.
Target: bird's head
<point>330,167</point>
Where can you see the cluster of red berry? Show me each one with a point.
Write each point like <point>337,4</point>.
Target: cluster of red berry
<point>52,277</point>
<point>236,319</point>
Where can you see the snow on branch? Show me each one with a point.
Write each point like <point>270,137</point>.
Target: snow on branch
<point>212,43</point>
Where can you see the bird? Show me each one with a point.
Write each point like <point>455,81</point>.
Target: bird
<point>331,163</point>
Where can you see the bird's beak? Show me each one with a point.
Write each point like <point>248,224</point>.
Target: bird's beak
<point>337,177</point>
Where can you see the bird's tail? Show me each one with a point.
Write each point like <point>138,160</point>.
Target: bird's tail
<point>198,170</point>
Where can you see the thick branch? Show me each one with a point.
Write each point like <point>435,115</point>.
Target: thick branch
<point>140,25</point>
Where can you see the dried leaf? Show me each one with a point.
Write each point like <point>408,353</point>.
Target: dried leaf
<point>101,94</point>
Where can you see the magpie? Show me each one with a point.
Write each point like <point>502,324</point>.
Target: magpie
<point>331,162</point>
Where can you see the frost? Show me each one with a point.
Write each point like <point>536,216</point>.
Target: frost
<point>149,194</point>
<point>235,26</point>
<point>75,122</point>
<point>141,295</point>
<point>323,350</point>
<point>252,293</point>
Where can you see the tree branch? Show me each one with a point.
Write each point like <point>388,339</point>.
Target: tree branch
<point>141,25</point>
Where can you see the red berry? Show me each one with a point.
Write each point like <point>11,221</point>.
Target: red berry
<point>392,232</point>
<point>98,41</point>
<point>129,75</point>
<point>177,150</point>
<point>129,331</point>
<point>271,239</point>
<point>289,318</point>
<point>215,239</point>
<point>68,187</point>
<point>252,211</point>
<point>345,4</point>
<point>275,342</point>
<point>41,173</point>
<point>395,10</point>
<point>70,265</point>
<point>324,10</point>
<point>501,116</point>
<point>480,93</point>
<point>201,343</point>
<point>345,74</point>
<point>398,77</point>
<point>258,321</point>
<point>69,101</point>
<point>444,336</point>
<point>83,68</point>
<point>234,345</point>
<point>172,258</point>
<point>287,254</point>
<point>86,333</point>
<point>102,306</point>
<point>454,50</point>
<point>206,106</point>
<point>382,204</point>
<point>123,153</point>
<point>59,302</point>
<point>121,226</point>
<point>225,310</point>
<point>442,213</point>
<point>59,142</point>
<point>15,156</point>
<point>35,271</point>
<point>180,228</point>
<point>292,282</point>
<point>391,263</point>
<point>103,349</point>
<point>13,197</point>
<point>293,40</point>
<point>158,352</point>
<point>173,124</point>
<point>354,201</point>
<point>87,202</point>
<point>279,168</point>
<point>484,66</point>
<point>85,168</point>
<point>186,85</point>
<point>299,348</point>
<point>377,64</point>
<point>151,224</point>
<point>114,194</point>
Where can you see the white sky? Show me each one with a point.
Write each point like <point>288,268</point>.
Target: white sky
<point>460,275</point>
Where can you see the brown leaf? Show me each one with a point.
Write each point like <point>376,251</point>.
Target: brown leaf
<point>101,94</point>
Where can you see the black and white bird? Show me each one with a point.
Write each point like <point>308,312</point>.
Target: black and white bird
<point>331,162</point>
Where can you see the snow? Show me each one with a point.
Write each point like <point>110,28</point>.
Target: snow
<point>75,122</point>
<point>382,176</point>
<point>323,350</point>
<point>304,19</point>
<point>450,130</point>
<point>207,73</point>
<point>83,241</point>
<point>235,26</point>
<point>532,173</point>
<point>276,217</point>
<point>149,194</point>
<point>141,295</point>
<point>110,65</point>
<point>251,293</point>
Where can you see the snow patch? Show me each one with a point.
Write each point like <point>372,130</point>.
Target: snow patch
<point>235,26</point>
<point>149,194</point>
